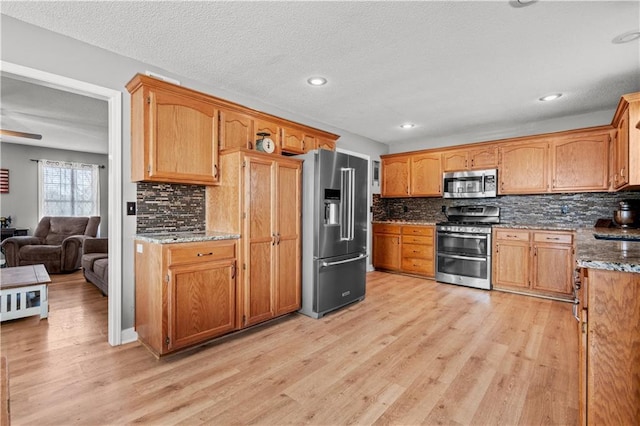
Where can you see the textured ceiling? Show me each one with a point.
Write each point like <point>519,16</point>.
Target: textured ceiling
<point>449,67</point>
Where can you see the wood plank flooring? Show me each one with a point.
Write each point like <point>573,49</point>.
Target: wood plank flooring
<point>413,352</point>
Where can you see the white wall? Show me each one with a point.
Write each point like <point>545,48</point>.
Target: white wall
<point>34,47</point>
<point>21,203</point>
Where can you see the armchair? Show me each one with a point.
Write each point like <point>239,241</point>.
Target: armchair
<point>56,243</point>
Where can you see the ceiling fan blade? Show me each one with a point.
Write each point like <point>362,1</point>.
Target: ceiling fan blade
<point>20,134</point>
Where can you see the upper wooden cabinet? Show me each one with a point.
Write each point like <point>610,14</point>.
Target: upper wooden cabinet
<point>626,146</point>
<point>425,175</point>
<point>485,157</point>
<point>524,168</point>
<point>580,162</point>
<point>174,134</point>
<point>395,176</point>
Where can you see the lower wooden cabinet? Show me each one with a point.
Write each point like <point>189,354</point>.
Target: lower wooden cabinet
<point>533,261</point>
<point>404,248</point>
<point>185,293</point>
<point>609,361</point>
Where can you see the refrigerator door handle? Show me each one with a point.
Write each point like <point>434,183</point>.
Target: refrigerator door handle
<point>348,209</point>
<point>340,262</point>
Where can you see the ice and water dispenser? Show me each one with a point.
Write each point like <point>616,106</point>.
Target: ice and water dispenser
<point>331,206</point>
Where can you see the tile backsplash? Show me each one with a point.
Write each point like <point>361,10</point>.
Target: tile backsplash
<point>546,209</point>
<point>163,207</point>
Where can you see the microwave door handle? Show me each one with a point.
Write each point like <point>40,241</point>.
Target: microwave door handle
<point>482,188</point>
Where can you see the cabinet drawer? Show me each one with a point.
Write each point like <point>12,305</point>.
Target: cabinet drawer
<point>423,266</point>
<point>548,237</point>
<point>417,250</point>
<point>384,228</point>
<point>417,240</point>
<point>418,230</point>
<point>201,252</point>
<point>512,234</point>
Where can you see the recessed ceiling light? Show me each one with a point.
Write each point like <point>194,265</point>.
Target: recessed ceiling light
<point>407,125</point>
<point>550,97</point>
<point>627,37</point>
<point>317,81</point>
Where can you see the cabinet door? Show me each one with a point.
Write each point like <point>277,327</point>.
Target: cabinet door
<point>426,177</point>
<point>236,130</point>
<point>201,302</point>
<point>483,158</point>
<point>523,168</point>
<point>292,141</point>
<point>309,143</point>
<point>511,264</point>
<point>183,146</point>
<point>264,126</point>
<point>326,144</point>
<point>455,160</point>
<point>552,268</point>
<point>395,177</point>
<point>386,251</point>
<point>621,158</point>
<point>580,163</point>
<point>260,240</point>
<point>288,256</point>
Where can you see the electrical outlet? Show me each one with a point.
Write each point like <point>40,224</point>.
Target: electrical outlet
<point>564,209</point>
<point>131,208</point>
<point>444,209</point>
<point>405,209</point>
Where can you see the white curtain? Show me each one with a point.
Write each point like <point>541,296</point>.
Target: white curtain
<point>68,189</point>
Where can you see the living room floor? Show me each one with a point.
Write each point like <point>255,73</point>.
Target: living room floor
<point>413,352</point>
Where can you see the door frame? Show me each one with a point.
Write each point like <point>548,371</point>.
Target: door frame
<point>114,101</point>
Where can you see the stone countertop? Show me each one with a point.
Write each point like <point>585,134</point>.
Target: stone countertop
<point>185,237</point>
<point>611,254</point>
<point>405,222</point>
<point>554,227</point>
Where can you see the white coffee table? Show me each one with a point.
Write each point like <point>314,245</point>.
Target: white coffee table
<point>23,292</point>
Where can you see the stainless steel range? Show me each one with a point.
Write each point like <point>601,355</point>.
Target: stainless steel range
<point>463,246</point>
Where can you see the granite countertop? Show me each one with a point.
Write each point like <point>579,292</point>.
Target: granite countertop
<point>406,222</point>
<point>538,226</point>
<point>185,237</point>
<point>612,254</point>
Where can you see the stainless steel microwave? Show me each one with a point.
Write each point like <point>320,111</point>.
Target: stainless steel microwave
<point>470,184</point>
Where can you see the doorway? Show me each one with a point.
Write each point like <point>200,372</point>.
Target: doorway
<point>114,102</point>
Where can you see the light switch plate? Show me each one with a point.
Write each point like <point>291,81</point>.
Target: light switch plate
<point>131,208</point>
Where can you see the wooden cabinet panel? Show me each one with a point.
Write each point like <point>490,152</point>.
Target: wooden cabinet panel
<point>552,270</point>
<point>395,177</point>
<point>511,264</point>
<point>288,254</point>
<point>610,365</point>
<point>292,141</point>
<point>580,163</point>
<point>174,134</point>
<point>621,151</point>
<point>626,164</point>
<point>323,143</point>
<point>455,160</point>
<point>524,168</point>
<point>404,248</point>
<point>262,202</point>
<point>536,262</point>
<point>201,302</point>
<point>426,177</point>
<point>386,251</point>
<point>185,293</point>
<point>236,130</point>
<point>483,158</point>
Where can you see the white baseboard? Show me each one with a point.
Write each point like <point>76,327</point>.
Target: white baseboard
<point>129,335</point>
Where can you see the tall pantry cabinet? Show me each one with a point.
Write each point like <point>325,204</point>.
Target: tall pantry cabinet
<point>259,197</point>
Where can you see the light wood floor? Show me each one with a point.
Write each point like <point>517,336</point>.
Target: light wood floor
<point>413,352</point>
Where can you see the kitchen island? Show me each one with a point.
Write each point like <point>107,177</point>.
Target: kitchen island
<point>608,314</point>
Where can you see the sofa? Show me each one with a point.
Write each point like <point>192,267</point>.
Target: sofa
<point>56,243</point>
<point>95,263</point>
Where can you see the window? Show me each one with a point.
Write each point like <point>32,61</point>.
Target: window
<point>68,189</point>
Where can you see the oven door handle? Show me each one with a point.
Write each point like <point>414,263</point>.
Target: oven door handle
<point>474,236</point>
<point>456,256</point>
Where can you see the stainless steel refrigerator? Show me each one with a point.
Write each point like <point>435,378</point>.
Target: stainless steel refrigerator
<point>334,231</point>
